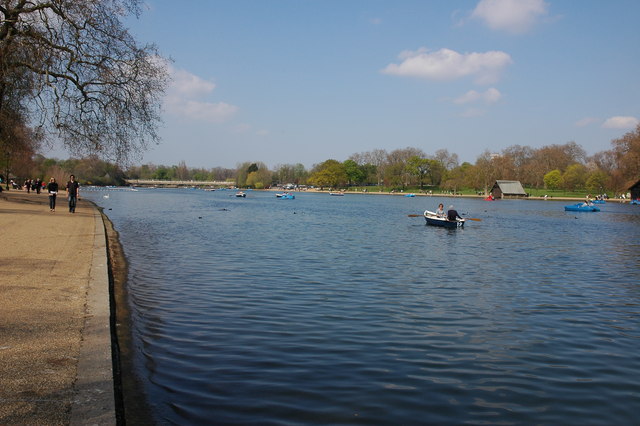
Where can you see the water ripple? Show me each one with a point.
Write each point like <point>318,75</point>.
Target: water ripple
<point>338,310</point>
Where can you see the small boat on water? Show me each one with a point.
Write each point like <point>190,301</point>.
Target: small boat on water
<point>635,202</point>
<point>285,196</point>
<point>337,194</point>
<point>241,194</point>
<point>435,220</point>
<point>410,195</point>
<point>599,202</point>
<point>581,207</point>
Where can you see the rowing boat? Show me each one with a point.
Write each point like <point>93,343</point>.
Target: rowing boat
<point>435,220</point>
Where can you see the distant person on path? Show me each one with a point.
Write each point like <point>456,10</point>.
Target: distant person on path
<point>52,189</point>
<point>73,191</point>
<point>38,186</point>
<point>440,211</point>
<point>452,214</point>
<point>27,185</point>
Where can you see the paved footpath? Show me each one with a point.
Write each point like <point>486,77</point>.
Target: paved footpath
<point>55,344</point>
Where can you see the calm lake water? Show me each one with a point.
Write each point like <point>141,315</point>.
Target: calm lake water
<point>343,310</point>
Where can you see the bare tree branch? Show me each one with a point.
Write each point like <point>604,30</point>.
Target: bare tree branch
<point>85,79</point>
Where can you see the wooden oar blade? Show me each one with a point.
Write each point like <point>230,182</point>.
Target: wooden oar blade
<point>415,215</point>
<point>473,218</point>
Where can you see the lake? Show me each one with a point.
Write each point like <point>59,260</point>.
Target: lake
<point>344,310</point>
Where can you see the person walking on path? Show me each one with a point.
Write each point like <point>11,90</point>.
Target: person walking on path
<point>52,189</point>
<point>73,191</point>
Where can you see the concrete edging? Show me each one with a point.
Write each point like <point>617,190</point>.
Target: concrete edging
<point>94,400</point>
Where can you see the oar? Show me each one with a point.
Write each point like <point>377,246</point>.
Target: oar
<point>472,218</point>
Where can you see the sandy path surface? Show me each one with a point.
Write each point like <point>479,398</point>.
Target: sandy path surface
<point>51,266</point>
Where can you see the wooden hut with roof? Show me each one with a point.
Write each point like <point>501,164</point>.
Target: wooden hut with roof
<point>507,189</point>
<point>635,191</point>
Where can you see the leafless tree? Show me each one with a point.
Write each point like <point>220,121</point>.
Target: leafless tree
<point>627,154</point>
<point>448,161</point>
<point>80,75</point>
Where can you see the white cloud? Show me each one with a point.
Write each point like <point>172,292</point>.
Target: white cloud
<point>186,97</point>
<point>513,16</point>
<point>206,111</point>
<point>586,121</point>
<point>189,85</point>
<point>447,64</point>
<point>621,122</point>
<point>490,96</point>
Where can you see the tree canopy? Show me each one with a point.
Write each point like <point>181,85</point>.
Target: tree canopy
<point>74,70</point>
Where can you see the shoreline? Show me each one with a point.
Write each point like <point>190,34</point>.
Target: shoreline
<point>417,194</point>
<point>131,402</point>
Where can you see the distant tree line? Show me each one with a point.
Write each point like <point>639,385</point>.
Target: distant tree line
<point>565,167</point>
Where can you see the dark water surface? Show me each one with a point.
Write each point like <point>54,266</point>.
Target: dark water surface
<point>343,310</point>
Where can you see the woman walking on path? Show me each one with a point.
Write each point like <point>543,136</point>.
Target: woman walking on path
<point>52,188</point>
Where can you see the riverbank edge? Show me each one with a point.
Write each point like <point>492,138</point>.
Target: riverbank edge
<point>131,403</point>
<point>94,395</point>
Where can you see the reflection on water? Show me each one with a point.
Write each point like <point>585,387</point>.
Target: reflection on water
<point>344,310</point>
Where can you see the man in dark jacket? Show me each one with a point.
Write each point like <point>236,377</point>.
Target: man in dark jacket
<point>452,214</point>
<point>73,191</point>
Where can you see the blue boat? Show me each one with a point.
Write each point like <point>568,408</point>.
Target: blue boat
<point>635,202</point>
<point>581,207</point>
<point>598,202</point>
<point>410,195</point>
<point>287,197</point>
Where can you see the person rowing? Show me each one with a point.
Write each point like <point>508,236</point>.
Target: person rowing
<point>452,214</point>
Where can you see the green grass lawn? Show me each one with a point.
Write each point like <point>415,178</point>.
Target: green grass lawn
<point>465,191</point>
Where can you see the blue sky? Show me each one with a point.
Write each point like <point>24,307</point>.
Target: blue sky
<point>288,81</point>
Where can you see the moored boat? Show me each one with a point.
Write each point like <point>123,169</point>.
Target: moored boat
<point>435,220</point>
<point>337,194</point>
<point>410,195</point>
<point>241,194</point>
<point>581,207</point>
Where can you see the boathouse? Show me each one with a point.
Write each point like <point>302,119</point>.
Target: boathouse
<point>507,189</point>
<point>635,190</point>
